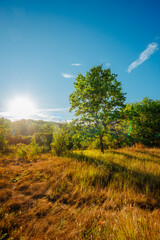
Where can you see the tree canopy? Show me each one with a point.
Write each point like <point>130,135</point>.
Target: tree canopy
<point>145,119</point>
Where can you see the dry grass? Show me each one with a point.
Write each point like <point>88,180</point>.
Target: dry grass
<point>87,196</point>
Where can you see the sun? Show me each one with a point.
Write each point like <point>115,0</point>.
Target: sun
<point>21,108</point>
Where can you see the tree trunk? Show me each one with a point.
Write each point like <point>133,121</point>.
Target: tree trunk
<point>101,144</point>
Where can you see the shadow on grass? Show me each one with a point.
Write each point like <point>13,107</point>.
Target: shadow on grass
<point>146,183</point>
<point>148,153</point>
<point>131,157</point>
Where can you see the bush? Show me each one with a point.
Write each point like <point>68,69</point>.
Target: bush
<point>34,148</point>
<point>44,140</point>
<point>3,140</point>
<point>23,151</point>
<point>61,141</point>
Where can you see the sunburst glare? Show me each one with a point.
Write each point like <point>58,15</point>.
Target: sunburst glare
<point>21,107</point>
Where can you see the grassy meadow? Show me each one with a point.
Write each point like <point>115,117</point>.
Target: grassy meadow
<point>85,195</point>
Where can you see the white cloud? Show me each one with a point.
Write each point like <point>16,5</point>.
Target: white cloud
<point>108,64</point>
<point>51,114</point>
<point>66,75</point>
<point>53,110</point>
<point>76,64</point>
<point>151,48</point>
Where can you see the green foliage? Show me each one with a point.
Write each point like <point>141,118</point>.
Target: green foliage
<point>5,131</point>
<point>25,151</point>
<point>61,141</point>
<point>34,148</point>
<point>24,127</point>
<point>97,99</point>
<point>30,127</point>
<point>3,140</point>
<point>5,123</point>
<point>44,140</point>
<point>145,119</point>
<point>22,151</point>
<point>119,134</point>
<point>81,135</point>
<point>46,128</point>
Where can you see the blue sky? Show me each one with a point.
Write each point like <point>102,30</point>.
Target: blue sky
<point>45,44</point>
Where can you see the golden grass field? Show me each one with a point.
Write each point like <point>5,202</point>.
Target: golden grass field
<point>87,195</point>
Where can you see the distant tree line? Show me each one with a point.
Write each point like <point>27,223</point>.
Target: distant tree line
<point>139,123</point>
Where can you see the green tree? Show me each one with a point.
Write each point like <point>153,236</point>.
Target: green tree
<point>145,119</point>
<point>44,140</point>
<point>97,99</point>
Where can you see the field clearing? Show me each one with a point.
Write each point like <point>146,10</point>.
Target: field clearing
<point>88,195</point>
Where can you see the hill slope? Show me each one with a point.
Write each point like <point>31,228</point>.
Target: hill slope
<point>86,196</point>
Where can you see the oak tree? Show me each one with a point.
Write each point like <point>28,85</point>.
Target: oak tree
<point>97,99</point>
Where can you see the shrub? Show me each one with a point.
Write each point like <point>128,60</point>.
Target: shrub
<point>34,148</point>
<point>23,151</point>
<point>3,141</point>
<point>44,140</point>
<point>61,141</point>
